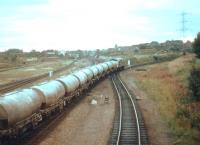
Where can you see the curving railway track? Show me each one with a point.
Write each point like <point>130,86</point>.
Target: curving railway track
<point>128,128</point>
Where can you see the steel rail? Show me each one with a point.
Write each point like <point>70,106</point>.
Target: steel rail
<point>120,121</point>
<point>135,110</point>
<point>128,127</point>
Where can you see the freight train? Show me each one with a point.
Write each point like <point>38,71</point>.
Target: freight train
<point>26,109</point>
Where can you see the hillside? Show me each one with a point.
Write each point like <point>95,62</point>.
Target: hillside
<point>167,85</point>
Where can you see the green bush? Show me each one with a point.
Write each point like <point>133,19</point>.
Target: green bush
<point>196,45</point>
<point>195,120</point>
<point>182,113</point>
<point>194,84</point>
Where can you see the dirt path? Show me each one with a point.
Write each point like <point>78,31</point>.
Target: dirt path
<point>157,129</point>
<point>85,124</point>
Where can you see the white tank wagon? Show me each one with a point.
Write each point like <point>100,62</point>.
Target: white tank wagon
<point>52,92</point>
<point>18,106</point>
<point>94,70</point>
<point>95,73</point>
<point>70,82</point>
<point>100,69</point>
<point>89,73</point>
<point>105,66</point>
<point>81,76</point>
<point>115,64</point>
<point>110,65</point>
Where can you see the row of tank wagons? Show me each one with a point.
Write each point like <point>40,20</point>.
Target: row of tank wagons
<point>28,107</point>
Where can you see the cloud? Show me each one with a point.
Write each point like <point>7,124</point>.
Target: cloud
<point>88,24</point>
<point>76,24</point>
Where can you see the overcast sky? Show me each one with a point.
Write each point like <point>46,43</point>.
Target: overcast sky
<point>93,24</point>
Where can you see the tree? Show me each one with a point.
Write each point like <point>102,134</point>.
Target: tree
<point>196,45</point>
<point>14,51</point>
<point>194,84</point>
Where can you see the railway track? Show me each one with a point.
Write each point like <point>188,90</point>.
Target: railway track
<point>14,85</point>
<point>128,128</point>
<point>11,68</point>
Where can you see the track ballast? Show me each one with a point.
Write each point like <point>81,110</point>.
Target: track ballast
<point>128,128</point>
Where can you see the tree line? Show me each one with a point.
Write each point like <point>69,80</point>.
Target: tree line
<point>192,111</point>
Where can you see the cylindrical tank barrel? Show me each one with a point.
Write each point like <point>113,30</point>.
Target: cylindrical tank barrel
<point>100,68</point>
<point>105,66</point>
<point>70,83</point>
<point>52,91</point>
<point>109,64</point>
<point>17,106</point>
<point>88,72</point>
<point>82,77</point>
<point>94,70</point>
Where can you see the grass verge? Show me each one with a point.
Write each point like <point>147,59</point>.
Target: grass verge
<point>166,84</point>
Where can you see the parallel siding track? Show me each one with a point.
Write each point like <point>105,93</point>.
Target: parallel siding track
<point>128,128</point>
<point>14,85</point>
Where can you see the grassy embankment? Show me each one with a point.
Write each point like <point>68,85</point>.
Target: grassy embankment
<point>144,55</point>
<point>167,85</point>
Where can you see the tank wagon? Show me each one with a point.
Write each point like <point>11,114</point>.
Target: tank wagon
<point>25,109</point>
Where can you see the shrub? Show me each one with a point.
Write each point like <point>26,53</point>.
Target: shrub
<point>196,45</point>
<point>194,84</point>
<point>195,120</point>
<point>182,113</point>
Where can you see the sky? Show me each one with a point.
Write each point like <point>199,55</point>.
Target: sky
<point>93,24</point>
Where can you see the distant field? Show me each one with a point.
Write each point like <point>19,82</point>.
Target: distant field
<point>40,68</point>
